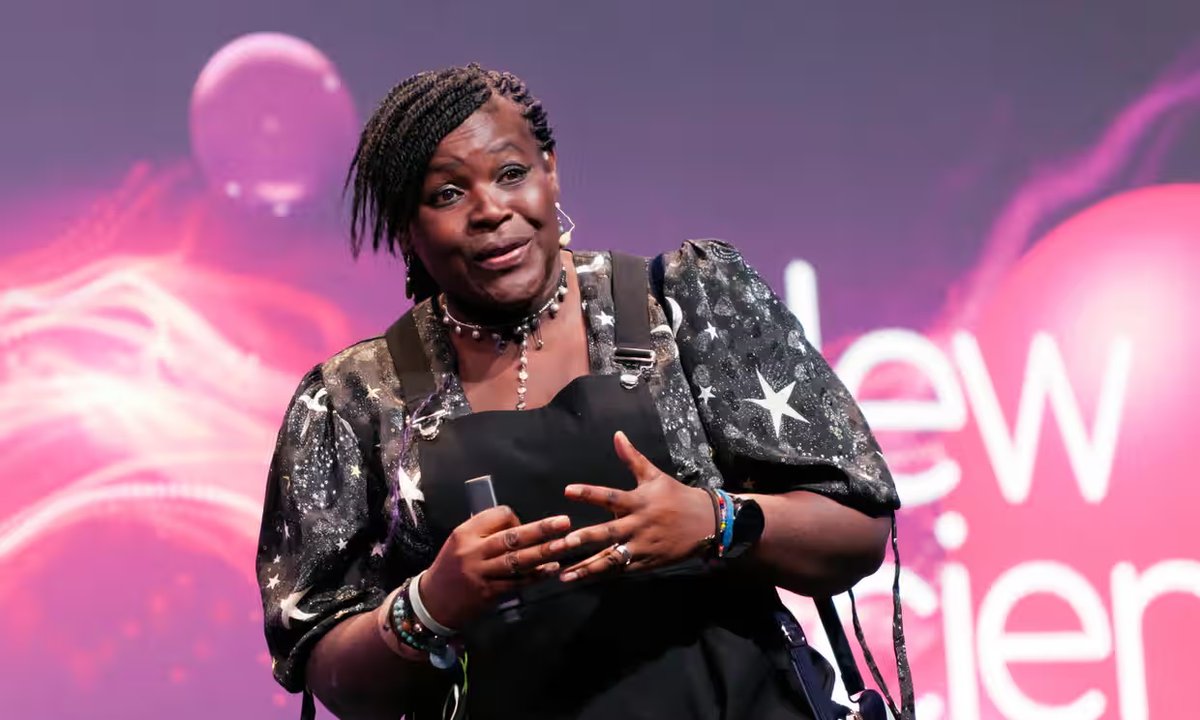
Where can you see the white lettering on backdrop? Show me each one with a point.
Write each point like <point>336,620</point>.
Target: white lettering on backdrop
<point>980,650</point>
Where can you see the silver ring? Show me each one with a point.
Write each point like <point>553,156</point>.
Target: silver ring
<point>623,550</point>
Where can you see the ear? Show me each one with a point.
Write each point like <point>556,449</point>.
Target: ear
<point>551,164</point>
<point>405,243</point>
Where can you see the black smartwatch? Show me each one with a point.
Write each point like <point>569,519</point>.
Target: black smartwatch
<point>747,527</point>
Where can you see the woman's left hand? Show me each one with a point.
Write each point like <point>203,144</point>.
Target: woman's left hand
<point>661,522</point>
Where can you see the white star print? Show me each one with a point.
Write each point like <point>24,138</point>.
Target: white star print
<point>314,402</point>
<point>776,403</point>
<point>272,582</point>
<point>289,611</point>
<point>377,549</point>
<point>605,318</point>
<point>410,490</point>
<point>277,559</point>
<point>706,394</point>
<point>372,392</point>
<point>711,330</point>
<point>355,472</point>
<point>341,544</point>
<point>314,406</point>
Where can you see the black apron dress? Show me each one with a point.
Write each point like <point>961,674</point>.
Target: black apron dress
<point>685,642</point>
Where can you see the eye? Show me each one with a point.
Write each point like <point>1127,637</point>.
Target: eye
<point>513,173</point>
<point>444,196</point>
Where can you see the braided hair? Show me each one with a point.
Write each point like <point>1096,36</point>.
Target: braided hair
<point>399,140</point>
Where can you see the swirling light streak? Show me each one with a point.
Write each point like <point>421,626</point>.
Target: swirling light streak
<point>1061,187</point>
<point>76,504</point>
<point>128,381</point>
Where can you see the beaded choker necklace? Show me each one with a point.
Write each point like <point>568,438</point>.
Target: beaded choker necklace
<point>519,332</point>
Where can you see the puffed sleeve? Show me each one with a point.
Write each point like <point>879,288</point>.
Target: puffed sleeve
<point>314,563</point>
<point>777,417</point>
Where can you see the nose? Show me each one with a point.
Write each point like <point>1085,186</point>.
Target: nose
<point>489,210</point>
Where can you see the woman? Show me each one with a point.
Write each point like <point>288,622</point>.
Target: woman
<point>665,446</point>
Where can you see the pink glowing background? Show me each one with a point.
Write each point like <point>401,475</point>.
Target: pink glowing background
<point>153,324</point>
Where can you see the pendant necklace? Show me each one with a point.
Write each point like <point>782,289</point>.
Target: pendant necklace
<point>519,332</point>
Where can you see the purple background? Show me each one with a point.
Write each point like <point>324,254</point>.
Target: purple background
<point>871,139</point>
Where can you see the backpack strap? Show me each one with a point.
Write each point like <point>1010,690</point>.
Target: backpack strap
<point>633,350</point>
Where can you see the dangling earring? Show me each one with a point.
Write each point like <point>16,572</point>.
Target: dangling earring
<point>564,234</point>
<point>408,288</point>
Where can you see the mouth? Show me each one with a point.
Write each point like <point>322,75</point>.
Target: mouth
<point>502,254</point>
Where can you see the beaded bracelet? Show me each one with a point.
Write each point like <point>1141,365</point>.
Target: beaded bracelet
<point>413,633</point>
<point>723,518</point>
<point>727,521</point>
<point>406,627</point>
<point>389,636</point>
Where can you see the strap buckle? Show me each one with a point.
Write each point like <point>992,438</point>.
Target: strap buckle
<point>634,356</point>
<point>635,364</point>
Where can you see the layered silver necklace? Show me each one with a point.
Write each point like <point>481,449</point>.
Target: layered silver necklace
<point>518,333</point>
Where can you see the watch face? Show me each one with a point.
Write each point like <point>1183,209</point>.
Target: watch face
<point>747,527</point>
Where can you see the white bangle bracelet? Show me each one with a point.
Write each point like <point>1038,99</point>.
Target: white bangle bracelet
<point>418,608</point>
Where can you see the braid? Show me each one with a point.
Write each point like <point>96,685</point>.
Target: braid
<point>514,88</point>
<point>401,136</point>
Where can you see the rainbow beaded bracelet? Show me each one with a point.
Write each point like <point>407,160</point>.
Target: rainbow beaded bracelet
<point>724,514</point>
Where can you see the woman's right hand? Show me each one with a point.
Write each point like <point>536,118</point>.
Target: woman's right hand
<point>487,557</point>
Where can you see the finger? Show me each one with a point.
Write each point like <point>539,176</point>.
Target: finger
<point>492,520</point>
<point>573,570</point>
<point>522,563</point>
<point>612,499</point>
<point>527,535</point>
<point>605,561</point>
<point>537,574</point>
<point>547,571</point>
<point>637,463</point>
<point>511,565</point>
<point>608,533</point>
<point>502,587</point>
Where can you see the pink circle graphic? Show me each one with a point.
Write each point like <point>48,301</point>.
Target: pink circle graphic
<point>1089,341</point>
<point>272,124</point>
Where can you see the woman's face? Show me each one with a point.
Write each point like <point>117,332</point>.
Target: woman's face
<point>486,227</point>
